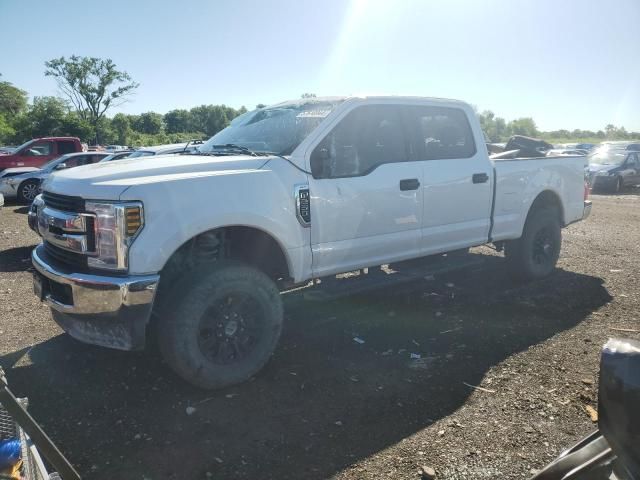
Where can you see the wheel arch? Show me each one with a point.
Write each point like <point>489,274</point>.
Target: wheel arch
<point>548,199</point>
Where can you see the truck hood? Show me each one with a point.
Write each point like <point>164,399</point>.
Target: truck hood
<point>108,180</point>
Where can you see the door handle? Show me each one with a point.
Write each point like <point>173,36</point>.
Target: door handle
<point>480,178</point>
<point>409,184</point>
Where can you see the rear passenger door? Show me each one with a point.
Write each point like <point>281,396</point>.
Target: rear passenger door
<point>458,178</point>
<point>366,201</point>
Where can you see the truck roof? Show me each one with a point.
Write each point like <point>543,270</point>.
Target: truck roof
<point>57,138</point>
<point>335,99</point>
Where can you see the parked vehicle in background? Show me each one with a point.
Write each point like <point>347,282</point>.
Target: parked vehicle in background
<point>1,201</point>
<point>25,185</point>
<point>633,147</point>
<point>163,150</point>
<point>527,147</point>
<point>117,156</point>
<point>7,149</point>
<point>39,151</point>
<point>301,190</point>
<point>613,170</point>
<point>585,146</point>
<point>115,148</point>
<point>565,151</point>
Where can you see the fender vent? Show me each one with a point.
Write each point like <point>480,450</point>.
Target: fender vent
<point>303,205</point>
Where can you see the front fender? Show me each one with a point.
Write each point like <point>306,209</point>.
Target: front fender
<point>179,210</point>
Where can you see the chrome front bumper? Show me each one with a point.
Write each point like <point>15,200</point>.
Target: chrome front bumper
<point>103,310</point>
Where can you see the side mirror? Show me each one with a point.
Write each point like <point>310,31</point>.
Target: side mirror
<point>61,166</point>
<point>319,159</point>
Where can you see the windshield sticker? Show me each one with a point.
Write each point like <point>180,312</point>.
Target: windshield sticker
<point>313,114</point>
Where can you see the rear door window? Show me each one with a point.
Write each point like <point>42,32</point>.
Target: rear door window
<point>66,146</point>
<point>439,133</point>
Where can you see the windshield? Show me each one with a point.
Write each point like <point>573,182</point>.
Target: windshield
<point>140,153</point>
<point>608,158</point>
<point>17,149</point>
<point>278,129</point>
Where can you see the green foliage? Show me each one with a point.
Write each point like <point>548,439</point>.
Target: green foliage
<point>49,116</point>
<point>149,122</point>
<point>177,121</point>
<point>12,100</point>
<point>523,126</point>
<point>7,132</point>
<point>121,127</point>
<point>92,85</point>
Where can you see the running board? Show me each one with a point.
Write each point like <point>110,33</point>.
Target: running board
<point>332,288</point>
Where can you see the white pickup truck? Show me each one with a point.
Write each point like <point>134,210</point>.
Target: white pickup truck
<point>198,248</point>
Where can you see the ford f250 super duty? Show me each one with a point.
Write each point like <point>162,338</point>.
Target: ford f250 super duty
<point>198,249</point>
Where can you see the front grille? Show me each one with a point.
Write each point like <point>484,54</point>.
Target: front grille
<point>66,257</point>
<point>64,203</point>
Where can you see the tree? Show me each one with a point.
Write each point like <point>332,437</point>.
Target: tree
<point>149,122</point>
<point>93,85</point>
<point>12,99</point>
<point>177,121</point>
<point>6,130</point>
<point>122,128</point>
<point>523,126</point>
<point>610,130</point>
<point>260,105</point>
<point>308,95</point>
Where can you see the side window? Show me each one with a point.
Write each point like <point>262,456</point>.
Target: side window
<point>66,146</point>
<point>76,161</point>
<point>94,159</point>
<point>440,133</point>
<point>367,137</point>
<point>39,148</point>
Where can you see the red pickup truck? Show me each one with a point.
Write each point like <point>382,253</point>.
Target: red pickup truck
<point>39,151</point>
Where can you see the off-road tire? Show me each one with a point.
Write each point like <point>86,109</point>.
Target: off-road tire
<point>535,254</point>
<point>191,340</point>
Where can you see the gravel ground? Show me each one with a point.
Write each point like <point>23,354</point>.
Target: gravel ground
<point>329,407</point>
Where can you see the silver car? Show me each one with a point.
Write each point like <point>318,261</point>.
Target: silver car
<point>24,185</point>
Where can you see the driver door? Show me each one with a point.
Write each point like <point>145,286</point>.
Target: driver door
<point>37,154</point>
<point>366,200</point>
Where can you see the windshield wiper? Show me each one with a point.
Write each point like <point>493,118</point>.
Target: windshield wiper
<point>233,146</point>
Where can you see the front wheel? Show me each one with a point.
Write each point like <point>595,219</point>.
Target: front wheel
<point>223,327</point>
<point>535,254</point>
<point>28,190</point>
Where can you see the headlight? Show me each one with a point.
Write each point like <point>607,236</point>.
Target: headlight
<point>115,227</point>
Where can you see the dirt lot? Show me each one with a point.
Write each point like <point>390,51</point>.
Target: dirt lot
<point>328,407</point>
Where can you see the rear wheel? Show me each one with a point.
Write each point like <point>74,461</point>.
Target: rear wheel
<point>223,327</point>
<point>28,190</point>
<point>535,254</point>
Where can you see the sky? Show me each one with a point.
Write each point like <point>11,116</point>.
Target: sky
<point>566,63</point>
